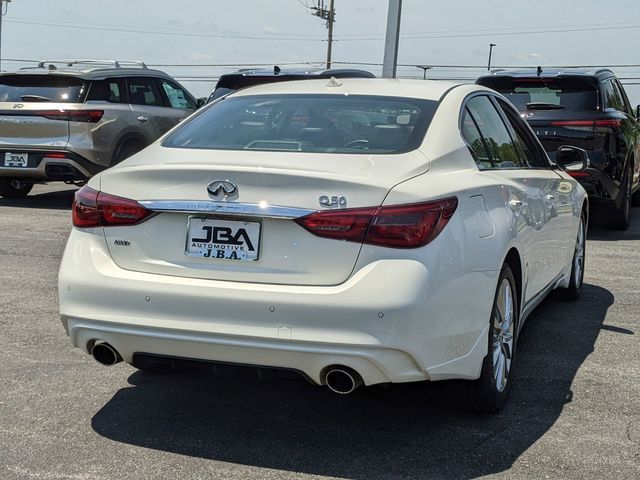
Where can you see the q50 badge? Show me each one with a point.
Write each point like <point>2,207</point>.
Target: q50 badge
<point>333,201</point>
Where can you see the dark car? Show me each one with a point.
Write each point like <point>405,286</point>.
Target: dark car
<point>231,82</point>
<point>586,109</point>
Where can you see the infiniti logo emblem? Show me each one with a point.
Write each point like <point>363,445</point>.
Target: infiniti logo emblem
<point>222,188</point>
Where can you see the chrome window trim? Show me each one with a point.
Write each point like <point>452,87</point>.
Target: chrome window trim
<point>260,210</point>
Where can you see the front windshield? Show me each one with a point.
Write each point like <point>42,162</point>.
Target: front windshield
<point>309,123</point>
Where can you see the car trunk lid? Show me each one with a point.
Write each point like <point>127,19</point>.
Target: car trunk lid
<point>256,222</point>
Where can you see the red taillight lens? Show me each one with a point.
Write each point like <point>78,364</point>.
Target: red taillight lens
<point>349,224</point>
<point>588,124</point>
<point>87,116</point>
<point>579,174</point>
<point>97,209</point>
<point>395,226</point>
<point>410,226</point>
<point>117,211</point>
<point>85,208</point>
<point>608,123</point>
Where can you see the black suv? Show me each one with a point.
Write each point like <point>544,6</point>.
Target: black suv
<point>250,77</point>
<point>589,110</point>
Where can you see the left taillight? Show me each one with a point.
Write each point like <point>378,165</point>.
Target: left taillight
<point>86,116</point>
<point>395,226</point>
<point>97,209</point>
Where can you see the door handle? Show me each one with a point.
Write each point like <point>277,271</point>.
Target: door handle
<point>142,118</point>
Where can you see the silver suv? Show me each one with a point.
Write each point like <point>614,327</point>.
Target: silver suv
<point>68,120</point>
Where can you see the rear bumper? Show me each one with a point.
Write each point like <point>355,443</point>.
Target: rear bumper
<point>379,322</point>
<point>43,167</point>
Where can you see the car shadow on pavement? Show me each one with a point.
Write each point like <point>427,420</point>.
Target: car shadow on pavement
<point>58,200</point>
<point>404,431</point>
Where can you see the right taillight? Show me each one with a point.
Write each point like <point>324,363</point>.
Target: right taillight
<point>395,226</point>
<point>96,209</point>
<point>588,125</point>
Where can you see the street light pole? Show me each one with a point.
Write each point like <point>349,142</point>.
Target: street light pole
<point>392,39</point>
<point>491,45</point>
<point>4,5</point>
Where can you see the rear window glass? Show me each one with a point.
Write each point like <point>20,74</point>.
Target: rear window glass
<point>309,123</point>
<point>576,94</point>
<point>40,88</point>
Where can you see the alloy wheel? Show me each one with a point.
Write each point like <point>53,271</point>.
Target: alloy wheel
<point>578,259</point>
<point>503,334</point>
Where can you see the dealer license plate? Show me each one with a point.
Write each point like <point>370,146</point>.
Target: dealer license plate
<point>16,159</point>
<point>222,239</point>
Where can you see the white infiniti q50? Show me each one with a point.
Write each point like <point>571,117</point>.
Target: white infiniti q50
<point>359,231</point>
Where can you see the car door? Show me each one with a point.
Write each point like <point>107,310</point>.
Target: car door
<point>179,104</point>
<point>631,130</point>
<point>148,106</point>
<point>531,201</point>
<point>556,191</point>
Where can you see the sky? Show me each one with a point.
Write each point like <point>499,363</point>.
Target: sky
<point>252,32</point>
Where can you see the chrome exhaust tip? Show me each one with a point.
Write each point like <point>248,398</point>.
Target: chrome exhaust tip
<point>342,380</point>
<point>105,354</point>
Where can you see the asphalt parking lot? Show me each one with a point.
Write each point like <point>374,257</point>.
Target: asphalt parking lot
<point>574,413</point>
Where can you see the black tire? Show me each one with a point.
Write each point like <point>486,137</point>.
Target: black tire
<point>622,216</point>
<point>485,394</point>
<point>574,290</point>
<point>635,198</point>
<point>127,150</point>
<point>12,188</point>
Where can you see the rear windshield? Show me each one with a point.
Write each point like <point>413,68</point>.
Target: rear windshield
<point>576,94</point>
<point>309,123</point>
<point>40,88</point>
<point>231,83</point>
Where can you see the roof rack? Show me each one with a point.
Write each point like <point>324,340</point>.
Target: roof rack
<point>96,63</point>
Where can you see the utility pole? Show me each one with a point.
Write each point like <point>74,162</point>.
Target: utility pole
<point>392,40</point>
<point>4,5</point>
<point>329,15</point>
<point>491,45</point>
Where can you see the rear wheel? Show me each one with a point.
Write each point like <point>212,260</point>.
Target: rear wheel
<point>13,188</point>
<point>635,198</point>
<point>622,215</point>
<point>573,291</point>
<point>489,393</point>
<point>126,151</point>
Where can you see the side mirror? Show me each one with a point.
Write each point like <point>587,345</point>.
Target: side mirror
<point>572,159</point>
<point>202,101</point>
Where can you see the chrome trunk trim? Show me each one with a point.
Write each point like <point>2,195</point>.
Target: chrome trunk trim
<point>261,210</point>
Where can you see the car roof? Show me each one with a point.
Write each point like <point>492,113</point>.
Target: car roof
<point>299,72</point>
<point>426,89</point>
<point>551,72</point>
<point>90,69</point>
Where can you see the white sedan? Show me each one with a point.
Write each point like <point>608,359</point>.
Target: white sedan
<point>359,231</point>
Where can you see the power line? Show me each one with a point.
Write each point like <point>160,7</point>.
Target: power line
<point>492,34</point>
<point>343,38</point>
<point>175,34</point>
